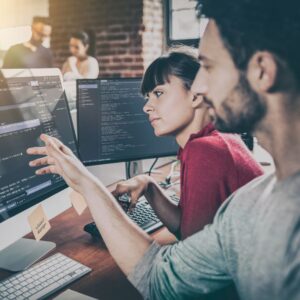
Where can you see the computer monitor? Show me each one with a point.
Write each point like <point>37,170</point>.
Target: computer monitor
<point>32,102</point>
<point>112,126</point>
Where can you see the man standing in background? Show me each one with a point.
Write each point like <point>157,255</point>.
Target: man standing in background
<point>31,54</point>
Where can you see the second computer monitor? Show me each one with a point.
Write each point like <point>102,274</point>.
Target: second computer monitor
<point>112,126</point>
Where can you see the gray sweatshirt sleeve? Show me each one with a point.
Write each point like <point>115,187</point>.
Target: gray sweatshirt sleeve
<point>184,270</point>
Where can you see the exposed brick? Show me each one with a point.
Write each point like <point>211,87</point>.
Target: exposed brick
<point>129,34</point>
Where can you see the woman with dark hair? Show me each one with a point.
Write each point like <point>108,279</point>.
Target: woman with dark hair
<point>213,165</point>
<point>81,64</point>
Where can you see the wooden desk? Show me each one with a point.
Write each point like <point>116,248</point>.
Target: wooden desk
<point>106,281</point>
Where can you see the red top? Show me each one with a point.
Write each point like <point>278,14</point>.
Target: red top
<point>213,166</point>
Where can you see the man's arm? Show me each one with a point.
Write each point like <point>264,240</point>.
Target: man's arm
<point>187,269</point>
<point>126,242</point>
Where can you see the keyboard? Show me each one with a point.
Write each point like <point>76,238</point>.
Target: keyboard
<point>173,196</point>
<point>143,214</point>
<point>43,278</point>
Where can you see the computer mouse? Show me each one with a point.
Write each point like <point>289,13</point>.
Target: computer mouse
<point>92,229</point>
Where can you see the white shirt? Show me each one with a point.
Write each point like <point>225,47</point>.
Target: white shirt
<point>74,69</point>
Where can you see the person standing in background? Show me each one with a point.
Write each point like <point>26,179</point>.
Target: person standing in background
<point>81,64</point>
<point>31,54</point>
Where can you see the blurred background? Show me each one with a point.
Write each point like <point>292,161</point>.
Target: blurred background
<point>126,35</point>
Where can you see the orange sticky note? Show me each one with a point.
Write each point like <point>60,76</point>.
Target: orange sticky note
<point>39,223</point>
<point>78,202</point>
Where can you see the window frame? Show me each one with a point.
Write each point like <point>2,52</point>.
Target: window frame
<point>168,25</point>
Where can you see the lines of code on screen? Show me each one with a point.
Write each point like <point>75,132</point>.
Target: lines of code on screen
<point>112,124</point>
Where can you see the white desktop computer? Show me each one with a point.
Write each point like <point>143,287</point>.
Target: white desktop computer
<point>32,102</point>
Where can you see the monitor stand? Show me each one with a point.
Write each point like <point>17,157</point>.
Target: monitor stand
<point>23,253</point>
<point>133,168</point>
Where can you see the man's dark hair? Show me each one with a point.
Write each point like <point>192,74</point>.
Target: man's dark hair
<point>44,20</point>
<point>248,26</point>
<point>179,62</point>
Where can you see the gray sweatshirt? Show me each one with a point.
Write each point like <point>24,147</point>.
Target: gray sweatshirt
<point>254,241</point>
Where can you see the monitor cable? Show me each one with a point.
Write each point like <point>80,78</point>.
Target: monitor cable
<point>152,166</point>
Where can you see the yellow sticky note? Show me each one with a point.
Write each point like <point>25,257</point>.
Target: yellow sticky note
<point>39,223</point>
<point>78,202</point>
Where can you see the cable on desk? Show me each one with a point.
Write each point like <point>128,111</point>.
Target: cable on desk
<point>152,166</point>
<point>167,182</point>
<point>171,174</point>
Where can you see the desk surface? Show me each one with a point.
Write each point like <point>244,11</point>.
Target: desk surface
<point>106,281</point>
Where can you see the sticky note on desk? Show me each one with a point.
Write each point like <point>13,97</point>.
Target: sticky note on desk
<point>78,202</point>
<point>38,222</point>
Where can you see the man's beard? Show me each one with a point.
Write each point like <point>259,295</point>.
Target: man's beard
<point>252,112</point>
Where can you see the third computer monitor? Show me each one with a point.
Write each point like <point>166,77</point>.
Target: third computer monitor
<point>112,126</point>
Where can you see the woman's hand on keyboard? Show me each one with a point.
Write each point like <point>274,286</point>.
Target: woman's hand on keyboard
<point>134,187</point>
<point>59,159</point>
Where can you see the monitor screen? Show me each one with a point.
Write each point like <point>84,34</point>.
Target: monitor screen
<point>30,104</point>
<point>112,126</point>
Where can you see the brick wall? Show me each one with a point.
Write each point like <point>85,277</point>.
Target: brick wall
<point>129,33</point>
<point>152,36</point>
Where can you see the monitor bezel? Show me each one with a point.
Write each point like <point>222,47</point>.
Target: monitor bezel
<point>15,73</point>
<point>103,162</point>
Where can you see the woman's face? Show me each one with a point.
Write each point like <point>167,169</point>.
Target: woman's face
<point>169,107</point>
<point>77,48</point>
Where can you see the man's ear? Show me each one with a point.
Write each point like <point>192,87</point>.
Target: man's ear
<point>262,71</point>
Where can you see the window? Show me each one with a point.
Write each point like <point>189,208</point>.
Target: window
<point>183,25</point>
<point>15,23</point>
<point>14,35</point>
<point>11,36</point>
